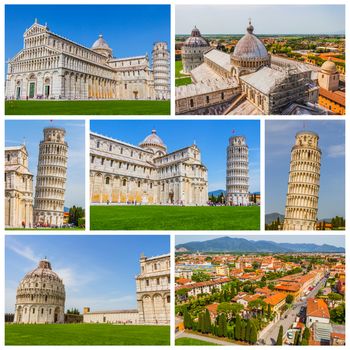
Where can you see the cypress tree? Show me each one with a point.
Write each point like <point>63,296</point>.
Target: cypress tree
<point>243,331</point>
<point>207,322</point>
<point>224,324</point>
<point>280,336</point>
<point>268,310</point>
<point>247,332</point>
<point>253,334</point>
<point>187,319</point>
<point>220,326</point>
<point>238,327</point>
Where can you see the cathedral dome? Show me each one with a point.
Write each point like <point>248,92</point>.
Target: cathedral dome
<point>40,296</point>
<point>101,46</point>
<point>196,39</point>
<point>329,67</point>
<point>154,143</point>
<point>249,46</point>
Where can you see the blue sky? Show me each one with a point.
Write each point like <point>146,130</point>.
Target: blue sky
<point>210,136</point>
<point>31,131</point>
<point>267,19</point>
<point>98,271</point>
<point>336,240</point>
<point>280,138</point>
<point>129,30</point>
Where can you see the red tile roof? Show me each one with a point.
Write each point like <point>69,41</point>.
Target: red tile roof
<point>317,308</point>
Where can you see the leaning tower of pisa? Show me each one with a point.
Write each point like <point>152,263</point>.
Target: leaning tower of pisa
<point>161,71</point>
<point>237,172</point>
<point>303,183</point>
<point>51,178</point>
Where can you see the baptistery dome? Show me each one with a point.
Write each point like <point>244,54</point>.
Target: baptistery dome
<point>154,144</point>
<point>250,52</point>
<point>100,46</point>
<point>196,39</point>
<point>40,296</point>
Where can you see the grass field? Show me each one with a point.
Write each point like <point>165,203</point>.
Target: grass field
<point>191,341</point>
<point>87,107</point>
<point>181,79</point>
<point>174,218</point>
<point>85,334</point>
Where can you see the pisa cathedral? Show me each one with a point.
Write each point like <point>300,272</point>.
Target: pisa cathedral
<point>152,293</point>
<point>53,67</point>
<point>46,208</point>
<point>248,81</point>
<point>122,173</point>
<point>304,183</point>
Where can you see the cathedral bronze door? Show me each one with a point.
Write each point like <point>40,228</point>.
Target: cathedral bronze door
<point>136,93</point>
<point>18,93</point>
<point>171,197</point>
<point>47,91</point>
<point>31,90</point>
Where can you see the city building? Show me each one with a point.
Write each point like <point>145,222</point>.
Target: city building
<point>153,290</point>
<point>304,183</point>
<point>249,81</point>
<point>18,188</point>
<point>53,67</point>
<point>330,97</point>
<point>122,173</point>
<point>316,312</point>
<point>51,178</point>
<point>152,293</point>
<point>40,296</point>
<point>237,172</point>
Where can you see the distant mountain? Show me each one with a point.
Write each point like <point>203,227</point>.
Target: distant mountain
<point>241,245</point>
<point>269,218</point>
<point>216,193</point>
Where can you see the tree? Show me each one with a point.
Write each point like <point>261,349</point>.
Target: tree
<point>188,323</point>
<point>269,311</point>
<point>222,330</point>
<point>306,337</point>
<point>75,213</point>
<point>230,309</point>
<point>253,334</point>
<point>247,331</point>
<point>297,338</point>
<point>238,325</point>
<point>338,314</point>
<point>207,322</point>
<point>289,299</point>
<point>200,276</point>
<point>280,336</point>
<point>243,331</point>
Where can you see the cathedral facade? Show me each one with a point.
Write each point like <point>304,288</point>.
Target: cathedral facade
<point>52,67</point>
<point>122,173</point>
<point>18,188</point>
<point>249,81</point>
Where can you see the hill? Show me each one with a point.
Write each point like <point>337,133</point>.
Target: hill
<point>241,245</point>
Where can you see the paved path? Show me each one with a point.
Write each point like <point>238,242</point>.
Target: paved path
<point>203,338</point>
<point>289,317</point>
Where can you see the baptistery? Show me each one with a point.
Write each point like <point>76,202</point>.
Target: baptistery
<point>40,296</point>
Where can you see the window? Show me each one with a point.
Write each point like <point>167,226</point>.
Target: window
<point>124,182</point>
<point>107,180</point>
<point>125,86</point>
<point>50,312</point>
<point>150,185</point>
<point>42,311</point>
<point>139,184</point>
<point>8,157</point>
<point>102,161</point>
<point>168,299</point>
<point>207,98</point>
<point>45,297</point>
<point>98,144</point>
<point>222,95</point>
<point>158,281</point>
<point>110,148</point>
<point>92,159</point>
<point>147,283</point>
<point>111,162</point>
<point>191,102</point>
<point>121,151</point>
<point>33,310</point>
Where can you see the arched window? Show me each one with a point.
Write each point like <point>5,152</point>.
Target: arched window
<point>8,157</point>
<point>124,182</point>
<point>191,102</point>
<point>107,180</point>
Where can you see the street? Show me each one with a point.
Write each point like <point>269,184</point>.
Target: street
<point>271,337</point>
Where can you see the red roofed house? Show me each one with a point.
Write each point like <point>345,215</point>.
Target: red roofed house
<point>316,311</point>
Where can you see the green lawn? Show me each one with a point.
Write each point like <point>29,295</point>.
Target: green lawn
<point>183,81</point>
<point>191,341</point>
<point>87,107</point>
<point>86,334</point>
<point>174,218</point>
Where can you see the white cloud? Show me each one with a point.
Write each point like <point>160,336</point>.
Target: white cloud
<point>24,251</point>
<point>336,151</point>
